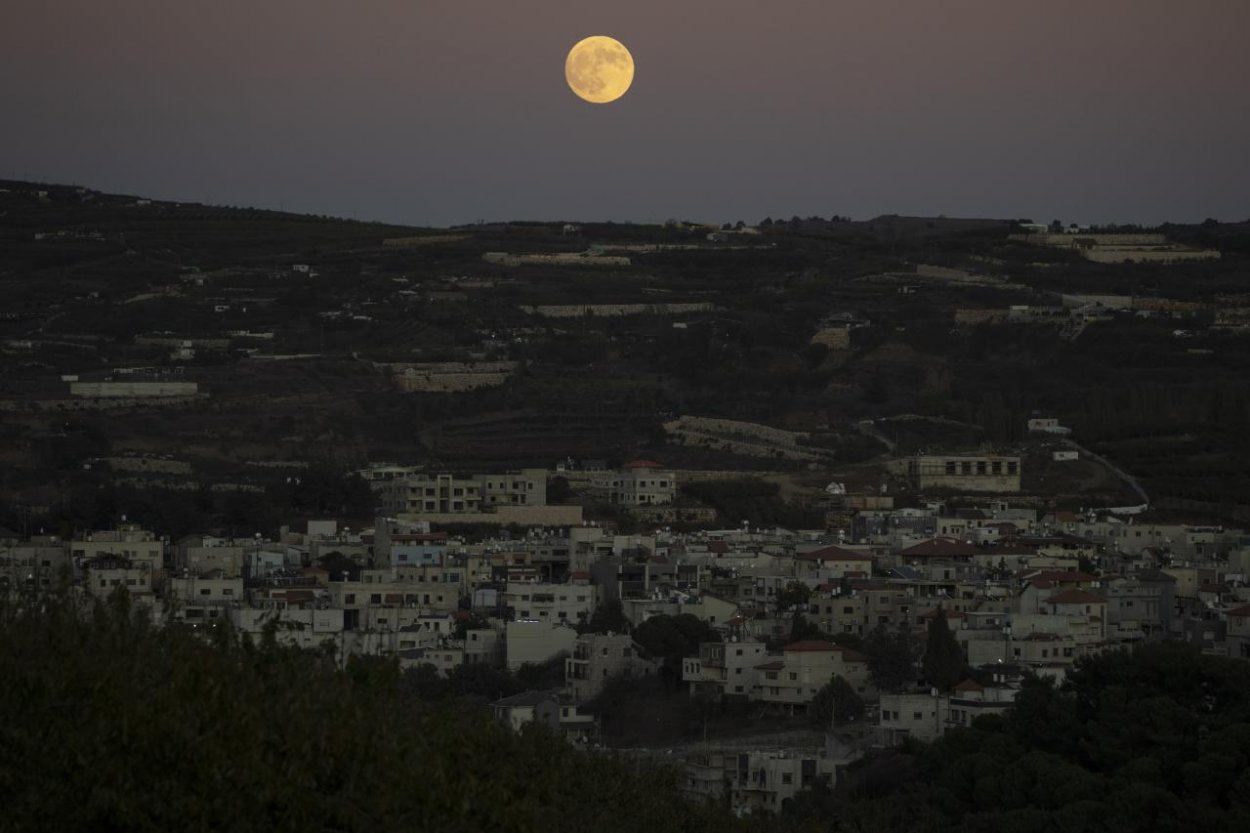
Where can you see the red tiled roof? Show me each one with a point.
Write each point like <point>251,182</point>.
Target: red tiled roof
<point>833,554</point>
<point>641,464</point>
<point>969,685</point>
<point>718,546</point>
<point>1240,612</point>
<point>941,547</point>
<point>771,666</point>
<point>1075,597</point>
<point>579,574</point>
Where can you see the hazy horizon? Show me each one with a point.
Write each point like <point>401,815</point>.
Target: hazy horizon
<point>443,114</point>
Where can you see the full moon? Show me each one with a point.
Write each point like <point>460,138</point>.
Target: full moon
<point>599,69</point>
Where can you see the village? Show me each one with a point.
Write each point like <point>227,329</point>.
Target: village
<point>791,616</point>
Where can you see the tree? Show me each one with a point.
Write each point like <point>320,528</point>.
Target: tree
<point>943,658</point>
<point>791,597</point>
<point>892,656</point>
<point>673,638</point>
<point>836,702</point>
<point>608,617</point>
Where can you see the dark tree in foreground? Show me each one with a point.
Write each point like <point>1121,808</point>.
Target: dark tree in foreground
<point>110,723</point>
<point>892,656</point>
<point>836,702</point>
<point>943,658</point>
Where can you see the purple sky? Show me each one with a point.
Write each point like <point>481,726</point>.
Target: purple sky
<point>447,111</point>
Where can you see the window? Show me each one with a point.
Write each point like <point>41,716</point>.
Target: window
<point>965,467</point>
<point>950,466</point>
<point>739,652</point>
<point>204,591</point>
<point>348,598</point>
<point>787,778</point>
<point>1013,467</point>
<point>375,599</point>
<point>997,467</point>
<point>917,716</point>
<point>794,675</point>
<point>848,610</point>
<point>980,467</point>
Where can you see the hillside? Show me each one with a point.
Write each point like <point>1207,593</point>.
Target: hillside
<point>278,341</point>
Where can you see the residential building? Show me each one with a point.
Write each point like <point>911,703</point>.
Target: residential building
<point>724,669</point>
<point>599,657</point>
<point>534,641</point>
<point>804,668</point>
<point>966,472</point>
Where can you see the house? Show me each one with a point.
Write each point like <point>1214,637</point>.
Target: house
<point>202,598</point>
<point>534,641</point>
<point>765,781</point>
<point>599,657</point>
<point>128,542</point>
<point>966,472</point>
<point>724,669</point>
<point>928,716</point>
<point>549,602</point>
<point>548,708</point>
<point>831,563</point>
<point>1238,632</point>
<point>804,668</point>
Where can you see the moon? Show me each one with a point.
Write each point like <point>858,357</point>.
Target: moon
<point>599,69</point>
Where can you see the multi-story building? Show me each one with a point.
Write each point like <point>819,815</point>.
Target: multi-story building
<point>765,781</point>
<point>535,642</point>
<point>202,598</point>
<point>637,483</point>
<point>550,602</point>
<point>724,669</point>
<point>128,542</point>
<point>966,472</point>
<point>929,715</point>
<point>199,554</point>
<point>446,494</point>
<point>804,668</point>
<point>597,658</point>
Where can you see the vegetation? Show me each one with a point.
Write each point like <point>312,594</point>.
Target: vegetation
<point>836,702</point>
<point>943,658</point>
<point>1153,740</point>
<point>109,723</point>
<point>892,657</point>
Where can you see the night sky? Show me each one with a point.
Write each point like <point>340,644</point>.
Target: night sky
<point>449,111</point>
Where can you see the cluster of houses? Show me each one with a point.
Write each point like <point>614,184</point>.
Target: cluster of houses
<point>1021,591</point>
